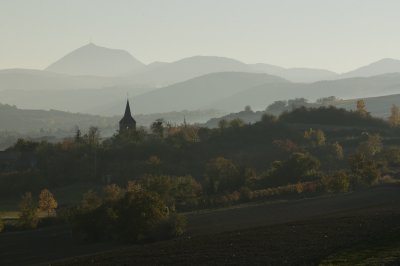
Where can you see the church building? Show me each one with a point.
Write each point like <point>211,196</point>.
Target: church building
<point>127,123</point>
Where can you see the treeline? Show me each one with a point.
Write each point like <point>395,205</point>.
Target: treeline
<point>148,177</point>
<point>234,162</point>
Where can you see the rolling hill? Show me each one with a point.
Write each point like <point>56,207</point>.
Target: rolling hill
<point>56,123</point>
<point>377,106</point>
<point>261,96</point>
<point>303,75</point>
<point>187,68</point>
<point>384,66</point>
<point>169,73</point>
<point>199,92</point>
<point>72,100</point>
<point>14,119</point>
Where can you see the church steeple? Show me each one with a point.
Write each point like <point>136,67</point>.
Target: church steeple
<point>127,122</point>
<point>127,110</point>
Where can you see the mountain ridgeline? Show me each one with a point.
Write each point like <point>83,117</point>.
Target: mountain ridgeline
<point>95,80</point>
<point>93,60</point>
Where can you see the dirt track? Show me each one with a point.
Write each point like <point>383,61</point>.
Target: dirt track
<point>56,243</point>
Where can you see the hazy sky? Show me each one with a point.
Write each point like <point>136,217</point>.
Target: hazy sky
<point>334,34</point>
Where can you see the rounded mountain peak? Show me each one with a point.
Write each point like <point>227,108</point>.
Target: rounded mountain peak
<point>94,60</point>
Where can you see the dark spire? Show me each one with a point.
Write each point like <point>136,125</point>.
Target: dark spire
<point>127,122</point>
<point>127,109</point>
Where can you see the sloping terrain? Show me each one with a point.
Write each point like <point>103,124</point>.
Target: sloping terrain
<point>260,97</point>
<point>13,119</point>
<point>199,92</point>
<point>383,66</point>
<point>296,243</point>
<point>377,106</point>
<point>306,75</point>
<point>299,230</point>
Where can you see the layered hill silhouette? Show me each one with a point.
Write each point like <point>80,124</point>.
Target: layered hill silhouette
<point>199,92</point>
<point>232,91</point>
<point>33,80</point>
<point>296,74</point>
<point>187,68</point>
<point>93,66</point>
<point>384,66</point>
<point>194,83</point>
<point>261,96</point>
<point>224,91</point>
<point>93,60</point>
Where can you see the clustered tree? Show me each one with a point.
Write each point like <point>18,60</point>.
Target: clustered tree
<point>180,168</point>
<point>132,214</point>
<point>29,208</point>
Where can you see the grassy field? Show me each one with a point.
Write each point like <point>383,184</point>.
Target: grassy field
<point>14,215</point>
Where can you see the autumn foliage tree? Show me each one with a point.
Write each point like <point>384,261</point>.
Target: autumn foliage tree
<point>28,217</point>
<point>47,202</point>
<point>315,137</point>
<point>394,118</point>
<point>361,108</point>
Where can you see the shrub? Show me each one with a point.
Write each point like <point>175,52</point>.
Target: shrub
<point>299,167</point>
<point>90,201</point>
<point>365,170</point>
<point>175,191</point>
<point>112,193</point>
<point>222,175</point>
<point>245,194</point>
<point>337,182</point>
<point>174,225</point>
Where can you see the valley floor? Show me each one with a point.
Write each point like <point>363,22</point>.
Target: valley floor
<point>297,232</point>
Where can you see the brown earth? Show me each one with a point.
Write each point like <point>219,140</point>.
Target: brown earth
<point>297,232</point>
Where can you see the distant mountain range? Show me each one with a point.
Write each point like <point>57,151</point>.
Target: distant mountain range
<point>92,66</point>
<point>94,79</point>
<point>224,91</point>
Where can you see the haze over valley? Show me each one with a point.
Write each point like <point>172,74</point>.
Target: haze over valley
<point>186,132</point>
<point>96,80</point>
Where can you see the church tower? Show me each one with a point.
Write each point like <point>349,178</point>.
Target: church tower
<point>127,122</point>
